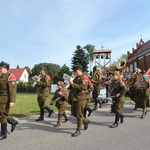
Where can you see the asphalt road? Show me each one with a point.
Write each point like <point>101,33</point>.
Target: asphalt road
<point>133,134</point>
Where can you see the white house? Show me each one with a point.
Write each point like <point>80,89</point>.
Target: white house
<point>21,74</point>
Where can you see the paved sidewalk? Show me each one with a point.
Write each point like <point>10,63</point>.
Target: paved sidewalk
<point>133,134</point>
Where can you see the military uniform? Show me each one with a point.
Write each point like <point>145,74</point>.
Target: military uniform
<point>7,96</point>
<point>143,97</point>
<point>79,87</point>
<point>130,84</point>
<point>44,91</point>
<point>88,91</point>
<point>61,104</point>
<point>117,87</point>
<point>97,86</point>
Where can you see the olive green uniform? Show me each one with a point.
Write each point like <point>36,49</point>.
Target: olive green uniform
<point>44,91</point>
<point>7,95</point>
<point>97,86</point>
<point>132,89</point>
<point>143,97</point>
<point>61,104</point>
<point>88,91</point>
<point>78,88</point>
<point>116,87</point>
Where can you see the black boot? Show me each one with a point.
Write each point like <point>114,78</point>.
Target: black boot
<point>95,107</point>
<point>3,134</point>
<point>50,111</point>
<point>89,110</point>
<point>121,118</point>
<point>115,124</point>
<point>41,115</point>
<point>13,123</point>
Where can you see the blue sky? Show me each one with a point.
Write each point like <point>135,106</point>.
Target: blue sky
<point>38,31</point>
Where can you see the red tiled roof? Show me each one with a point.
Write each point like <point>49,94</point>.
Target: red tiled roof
<point>102,51</point>
<point>17,72</point>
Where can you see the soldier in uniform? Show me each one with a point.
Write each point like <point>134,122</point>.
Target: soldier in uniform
<point>130,84</point>
<point>43,83</point>
<point>142,93</point>
<point>7,96</point>
<point>117,92</point>
<point>88,91</point>
<point>79,86</point>
<point>61,93</point>
<point>97,85</point>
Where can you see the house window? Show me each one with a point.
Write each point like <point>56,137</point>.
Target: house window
<point>131,67</point>
<point>127,69</point>
<point>25,76</point>
<point>135,65</point>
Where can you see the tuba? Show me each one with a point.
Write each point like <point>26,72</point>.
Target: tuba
<point>121,65</point>
<point>140,80</point>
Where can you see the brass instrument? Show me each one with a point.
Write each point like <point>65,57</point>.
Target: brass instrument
<point>137,70</point>
<point>121,64</point>
<point>140,80</point>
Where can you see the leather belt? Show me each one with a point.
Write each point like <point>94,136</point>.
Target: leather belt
<point>3,92</point>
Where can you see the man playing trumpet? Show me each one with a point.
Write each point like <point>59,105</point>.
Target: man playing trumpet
<point>44,90</point>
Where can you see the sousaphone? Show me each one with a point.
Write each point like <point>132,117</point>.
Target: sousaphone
<point>121,64</point>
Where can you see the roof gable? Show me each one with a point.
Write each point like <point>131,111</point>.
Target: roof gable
<point>139,50</point>
<point>17,72</point>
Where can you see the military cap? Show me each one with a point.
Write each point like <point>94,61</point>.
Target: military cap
<point>77,67</point>
<point>4,64</point>
<point>42,68</point>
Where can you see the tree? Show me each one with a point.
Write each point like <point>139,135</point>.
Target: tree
<point>80,57</point>
<point>52,69</point>
<point>90,48</point>
<point>59,76</point>
<point>18,67</point>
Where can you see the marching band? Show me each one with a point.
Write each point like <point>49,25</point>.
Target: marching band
<point>78,89</point>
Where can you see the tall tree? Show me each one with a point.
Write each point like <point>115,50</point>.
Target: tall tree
<point>80,57</point>
<point>90,48</point>
<point>59,76</point>
<point>52,69</point>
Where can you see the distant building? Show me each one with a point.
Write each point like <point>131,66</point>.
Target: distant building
<point>139,58</point>
<point>21,74</point>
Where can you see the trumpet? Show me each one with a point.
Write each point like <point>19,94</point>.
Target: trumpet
<point>35,78</point>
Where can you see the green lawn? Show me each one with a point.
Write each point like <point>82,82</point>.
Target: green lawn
<point>26,104</point>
